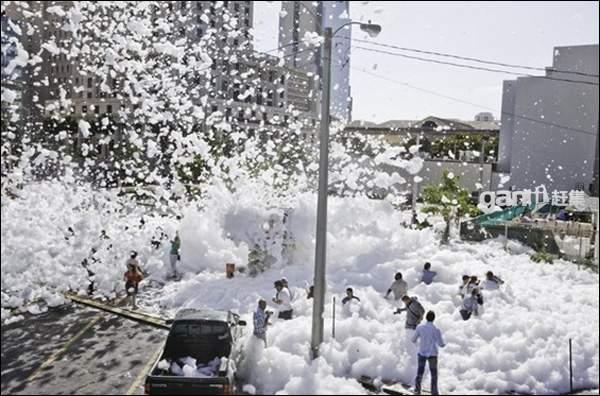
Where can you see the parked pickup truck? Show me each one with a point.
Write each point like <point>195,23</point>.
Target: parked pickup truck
<point>211,338</point>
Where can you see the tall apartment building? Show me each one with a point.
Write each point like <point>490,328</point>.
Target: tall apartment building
<point>280,93</point>
<point>13,74</point>
<point>299,18</point>
<point>549,131</point>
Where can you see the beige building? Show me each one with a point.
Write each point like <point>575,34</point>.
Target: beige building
<point>60,84</point>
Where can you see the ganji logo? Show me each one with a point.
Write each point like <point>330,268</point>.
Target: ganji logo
<point>491,201</point>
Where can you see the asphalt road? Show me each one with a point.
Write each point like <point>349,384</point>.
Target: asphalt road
<point>75,350</point>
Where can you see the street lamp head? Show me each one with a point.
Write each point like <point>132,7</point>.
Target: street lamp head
<point>371,28</point>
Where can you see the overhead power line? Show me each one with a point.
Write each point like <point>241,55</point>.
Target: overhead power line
<point>474,104</point>
<point>470,59</point>
<point>474,67</point>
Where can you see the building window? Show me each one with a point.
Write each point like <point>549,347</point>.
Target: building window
<point>89,95</point>
<point>84,109</point>
<point>271,76</point>
<point>109,109</point>
<point>236,7</point>
<point>282,79</point>
<point>89,82</point>
<point>97,109</point>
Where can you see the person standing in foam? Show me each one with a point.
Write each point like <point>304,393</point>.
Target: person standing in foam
<point>430,338</point>
<point>414,316</point>
<point>399,287</point>
<point>428,275</point>
<point>261,321</point>
<point>491,282</point>
<point>283,301</point>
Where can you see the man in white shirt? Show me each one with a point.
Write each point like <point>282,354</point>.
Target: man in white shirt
<point>470,305</point>
<point>430,339</point>
<point>399,287</point>
<point>283,301</point>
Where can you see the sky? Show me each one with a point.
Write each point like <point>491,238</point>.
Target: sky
<point>522,33</point>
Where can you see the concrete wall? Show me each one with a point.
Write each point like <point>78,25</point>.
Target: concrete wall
<point>468,172</point>
<point>553,137</point>
<point>433,170</point>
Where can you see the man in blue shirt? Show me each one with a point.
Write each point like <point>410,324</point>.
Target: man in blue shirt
<point>430,339</point>
<point>261,321</point>
<point>428,275</point>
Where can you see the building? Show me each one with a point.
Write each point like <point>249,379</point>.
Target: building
<point>549,132</point>
<point>301,18</point>
<point>19,17</point>
<point>250,91</point>
<point>466,148</point>
<point>13,72</point>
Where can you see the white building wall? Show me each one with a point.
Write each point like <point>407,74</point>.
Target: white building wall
<point>553,136</point>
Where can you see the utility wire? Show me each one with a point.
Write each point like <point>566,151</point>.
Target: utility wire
<point>473,104</point>
<point>471,59</point>
<point>474,67</point>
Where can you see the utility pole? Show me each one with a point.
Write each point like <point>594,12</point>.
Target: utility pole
<point>321,239</point>
<point>481,162</point>
<point>321,242</point>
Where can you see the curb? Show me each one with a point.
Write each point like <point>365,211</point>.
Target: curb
<point>152,320</point>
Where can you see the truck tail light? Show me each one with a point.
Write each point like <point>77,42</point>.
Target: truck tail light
<point>146,388</point>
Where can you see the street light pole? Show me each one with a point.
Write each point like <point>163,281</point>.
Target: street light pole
<point>321,238</point>
<point>321,242</point>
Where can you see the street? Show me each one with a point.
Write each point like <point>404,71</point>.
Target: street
<point>74,350</point>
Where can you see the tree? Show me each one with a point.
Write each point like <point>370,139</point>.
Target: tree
<point>449,200</point>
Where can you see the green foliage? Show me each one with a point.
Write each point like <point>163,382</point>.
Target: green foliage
<point>448,200</point>
<point>440,148</point>
<point>542,256</point>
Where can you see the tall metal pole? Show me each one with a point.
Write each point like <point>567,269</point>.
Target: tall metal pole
<point>571,365</point>
<point>321,240</point>
<point>415,189</point>
<point>597,217</point>
<point>481,162</point>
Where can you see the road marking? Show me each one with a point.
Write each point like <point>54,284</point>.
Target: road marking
<point>58,353</point>
<point>138,380</point>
